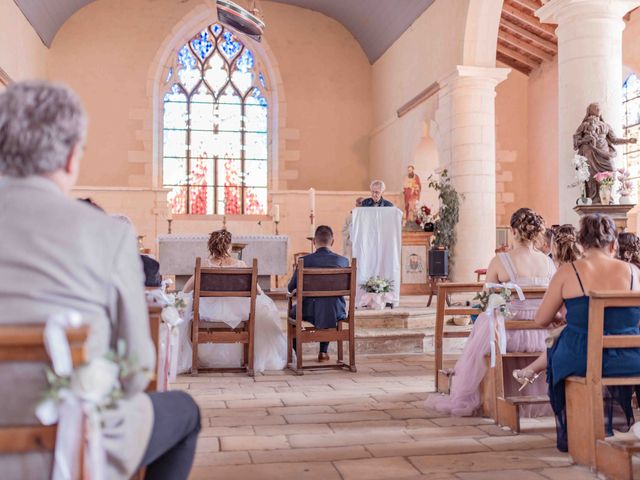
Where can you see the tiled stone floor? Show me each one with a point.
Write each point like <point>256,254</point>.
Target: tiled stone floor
<point>367,425</point>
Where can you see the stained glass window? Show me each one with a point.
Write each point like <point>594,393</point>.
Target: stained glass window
<point>631,123</point>
<point>215,129</point>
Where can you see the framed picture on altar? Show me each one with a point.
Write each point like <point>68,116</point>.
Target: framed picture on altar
<point>414,264</point>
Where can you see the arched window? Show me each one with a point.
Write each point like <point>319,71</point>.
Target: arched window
<point>215,135</point>
<point>631,123</point>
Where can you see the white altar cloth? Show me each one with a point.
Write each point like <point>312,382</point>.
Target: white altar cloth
<point>376,234</point>
<point>177,254</point>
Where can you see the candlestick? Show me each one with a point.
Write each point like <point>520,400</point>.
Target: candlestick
<point>277,231</point>
<point>169,220</point>
<point>224,222</point>
<point>276,213</point>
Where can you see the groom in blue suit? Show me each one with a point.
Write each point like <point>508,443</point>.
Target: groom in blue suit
<point>323,312</point>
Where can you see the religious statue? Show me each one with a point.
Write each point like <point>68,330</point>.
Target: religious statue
<point>595,140</point>
<point>411,190</point>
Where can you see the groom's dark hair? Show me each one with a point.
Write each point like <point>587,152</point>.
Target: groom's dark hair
<point>323,236</point>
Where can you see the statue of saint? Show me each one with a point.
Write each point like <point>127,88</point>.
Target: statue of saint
<point>411,190</point>
<point>595,140</point>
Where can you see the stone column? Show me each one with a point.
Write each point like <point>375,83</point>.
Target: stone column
<point>589,70</point>
<point>466,136</point>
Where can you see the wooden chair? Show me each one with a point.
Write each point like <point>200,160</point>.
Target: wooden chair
<point>584,400</point>
<point>296,257</point>
<point>322,282</point>
<point>154,327</point>
<point>25,343</point>
<point>221,283</point>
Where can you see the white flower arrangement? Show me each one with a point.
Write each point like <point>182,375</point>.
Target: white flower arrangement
<point>582,175</point>
<point>97,383</point>
<point>377,285</point>
<point>171,303</point>
<point>500,300</point>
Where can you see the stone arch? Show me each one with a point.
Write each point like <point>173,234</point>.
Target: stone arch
<point>200,17</point>
<point>481,33</point>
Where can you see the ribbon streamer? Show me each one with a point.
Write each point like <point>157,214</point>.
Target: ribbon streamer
<point>497,329</point>
<point>71,413</point>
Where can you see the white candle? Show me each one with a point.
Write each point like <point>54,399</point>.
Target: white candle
<point>312,199</point>
<point>170,213</point>
<point>276,213</point>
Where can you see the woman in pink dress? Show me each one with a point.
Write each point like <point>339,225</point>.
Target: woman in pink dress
<point>526,267</point>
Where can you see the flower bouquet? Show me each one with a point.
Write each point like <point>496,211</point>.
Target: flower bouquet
<point>582,176</point>
<point>424,219</point>
<point>605,185</point>
<point>626,186</point>
<point>377,293</point>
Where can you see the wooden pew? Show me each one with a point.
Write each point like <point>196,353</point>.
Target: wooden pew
<point>445,290</point>
<point>584,402</point>
<point>25,343</point>
<point>504,411</point>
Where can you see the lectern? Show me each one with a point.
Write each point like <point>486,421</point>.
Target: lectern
<point>376,234</point>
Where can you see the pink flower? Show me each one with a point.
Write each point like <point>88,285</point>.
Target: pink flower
<point>603,176</point>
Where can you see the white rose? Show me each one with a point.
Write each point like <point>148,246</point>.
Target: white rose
<point>95,381</point>
<point>495,301</point>
<point>170,315</point>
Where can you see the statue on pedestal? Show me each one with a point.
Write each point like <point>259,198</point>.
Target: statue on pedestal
<point>595,140</point>
<point>411,191</point>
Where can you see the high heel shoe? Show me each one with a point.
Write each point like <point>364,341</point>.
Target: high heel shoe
<point>525,377</point>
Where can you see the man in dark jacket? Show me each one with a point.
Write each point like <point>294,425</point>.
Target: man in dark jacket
<point>323,312</point>
<point>377,189</point>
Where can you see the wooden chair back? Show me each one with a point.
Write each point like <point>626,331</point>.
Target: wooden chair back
<point>25,343</point>
<point>223,283</point>
<point>584,402</point>
<point>324,283</point>
<point>154,329</point>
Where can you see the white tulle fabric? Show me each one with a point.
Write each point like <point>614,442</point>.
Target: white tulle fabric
<point>464,397</point>
<point>270,349</point>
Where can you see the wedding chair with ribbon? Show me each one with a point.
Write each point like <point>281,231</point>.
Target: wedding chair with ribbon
<point>315,283</point>
<point>62,346</point>
<point>221,283</point>
<point>503,409</point>
<point>164,320</point>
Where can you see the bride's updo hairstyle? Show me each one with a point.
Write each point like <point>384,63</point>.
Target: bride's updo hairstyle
<point>597,231</point>
<point>527,224</point>
<point>565,244</point>
<point>220,243</point>
<point>629,248</point>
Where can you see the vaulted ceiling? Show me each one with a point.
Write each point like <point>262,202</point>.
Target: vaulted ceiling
<point>375,24</point>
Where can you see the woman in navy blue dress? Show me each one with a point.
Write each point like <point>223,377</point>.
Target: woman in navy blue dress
<point>598,270</point>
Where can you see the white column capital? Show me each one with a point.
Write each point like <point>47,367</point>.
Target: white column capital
<point>561,11</point>
<point>489,75</point>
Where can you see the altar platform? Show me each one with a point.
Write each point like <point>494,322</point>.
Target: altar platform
<point>406,329</point>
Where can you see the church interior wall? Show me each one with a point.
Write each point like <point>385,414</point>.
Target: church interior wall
<point>22,54</point>
<point>106,52</point>
<point>512,155</point>
<point>428,51</point>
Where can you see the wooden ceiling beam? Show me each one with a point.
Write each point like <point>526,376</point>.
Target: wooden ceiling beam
<point>528,19</point>
<point>532,5</point>
<point>532,37</point>
<point>514,41</point>
<point>513,64</point>
<point>517,56</point>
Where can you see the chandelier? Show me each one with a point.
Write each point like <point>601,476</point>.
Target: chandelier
<point>241,19</point>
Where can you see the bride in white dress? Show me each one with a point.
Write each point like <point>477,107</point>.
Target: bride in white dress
<point>270,347</point>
